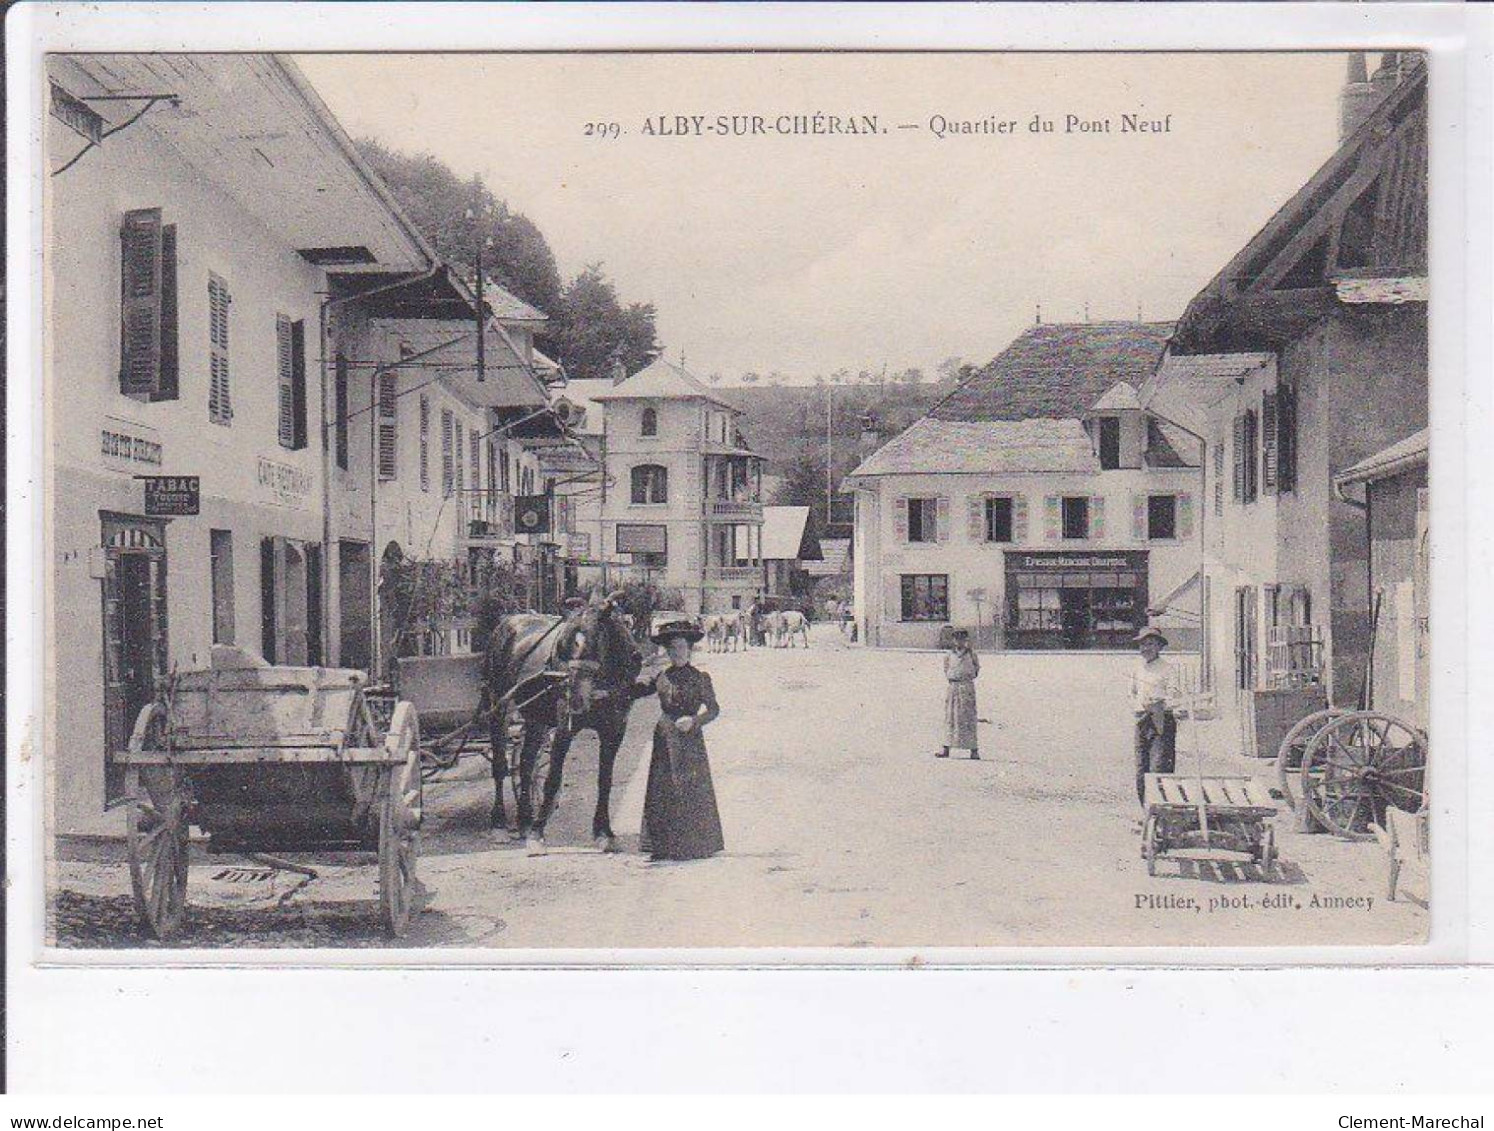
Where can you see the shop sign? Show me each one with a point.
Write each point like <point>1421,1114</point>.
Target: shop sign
<point>287,485</point>
<point>578,545</point>
<point>1059,560</point>
<point>532,514</point>
<point>640,538</point>
<point>129,446</point>
<point>172,494</point>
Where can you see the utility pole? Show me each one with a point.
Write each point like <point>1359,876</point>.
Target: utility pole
<point>829,457</point>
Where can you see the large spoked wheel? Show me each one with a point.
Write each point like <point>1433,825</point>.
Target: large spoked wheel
<point>1149,845</point>
<point>1358,766</point>
<point>1294,746</point>
<point>1266,855</point>
<point>399,822</point>
<point>157,824</point>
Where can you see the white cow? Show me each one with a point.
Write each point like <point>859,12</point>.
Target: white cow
<point>784,625</point>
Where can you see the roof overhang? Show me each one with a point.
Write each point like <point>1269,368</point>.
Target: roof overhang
<point>1402,456</point>
<point>253,127</point>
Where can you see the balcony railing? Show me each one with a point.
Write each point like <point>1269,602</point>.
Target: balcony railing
<point>734,508</point>
<point>734,575</point>
<point>488,513</point>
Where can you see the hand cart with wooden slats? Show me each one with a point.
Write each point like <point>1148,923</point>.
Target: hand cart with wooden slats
<point>270,760</point>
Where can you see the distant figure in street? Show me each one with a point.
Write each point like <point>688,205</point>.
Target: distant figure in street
<point>680,820</point>
<point>1154,701</point>
<point>960,669</point>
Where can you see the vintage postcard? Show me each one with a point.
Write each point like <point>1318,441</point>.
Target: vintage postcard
<point>662,503</point>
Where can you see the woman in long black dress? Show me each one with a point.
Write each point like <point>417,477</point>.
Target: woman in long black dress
<point>680,821</point>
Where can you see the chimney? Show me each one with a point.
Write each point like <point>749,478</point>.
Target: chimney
<point>1358,97</point>
<point>619,371</point>
<point>871,436</point>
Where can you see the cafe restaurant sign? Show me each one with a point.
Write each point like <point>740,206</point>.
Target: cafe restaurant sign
<point>287,486</point>
<point>1059,560</point>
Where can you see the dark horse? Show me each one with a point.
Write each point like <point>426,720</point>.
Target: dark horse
<point>565,675</point>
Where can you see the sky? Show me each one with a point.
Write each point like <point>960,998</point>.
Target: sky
<point>802,253</point>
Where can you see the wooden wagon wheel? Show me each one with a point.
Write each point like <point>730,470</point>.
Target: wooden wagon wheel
<point>1149,844</point>
<point>399,821</point>
<point>1293,746</point>
<point>156,831</point>
<point>1267,854</point>
<point>1360,764</point>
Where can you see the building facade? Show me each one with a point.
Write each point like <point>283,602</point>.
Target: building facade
<point>189,256</point>
<point>681,502</point>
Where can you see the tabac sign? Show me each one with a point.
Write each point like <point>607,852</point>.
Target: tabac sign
<point>172,494</point>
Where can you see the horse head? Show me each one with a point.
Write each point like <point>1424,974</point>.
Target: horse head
<point>598,654</point>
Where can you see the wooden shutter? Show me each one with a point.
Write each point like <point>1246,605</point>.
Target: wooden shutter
<point>900,519</point>
<point>459,475</point>
<point>298,381</point>
<point>1052,518</point>
<point>1286,437</point>
<point>425,442</point>
<point>1097,517</point>
<point>1270,451</point>
<point>474,446</point>
<point>220,400</point>
<point>140,255</point>
<point>388,422</point>
<point>1252,455</point>
<point>1185,516</point>
<point>941,520</point>
<point>1019,519</point>
<point>340,406</point>
<point>447,456</point>
<point>975,514</point>
<point>1218,480</point>
<point>1239,462</point>
<point>1139,517</point>
<point>286,381</point>
<point>169,383</point>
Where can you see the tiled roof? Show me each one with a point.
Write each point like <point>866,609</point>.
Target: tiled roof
<point>661,380</point>
<point>1057,371</point>
<point>783,532</point>
<point>974,447</point>
<point>837,552</point>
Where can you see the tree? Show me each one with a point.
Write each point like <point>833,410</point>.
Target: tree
<point>911,376</point>
<point>594,328</point>
<point>948,369</point>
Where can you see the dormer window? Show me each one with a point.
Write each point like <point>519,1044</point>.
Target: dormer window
<point>650,426</point>
<point>1109,442</point>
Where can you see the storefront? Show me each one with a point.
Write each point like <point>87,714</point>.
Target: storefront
<point>1075,600</point>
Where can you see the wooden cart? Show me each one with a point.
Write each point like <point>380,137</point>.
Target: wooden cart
<point>1208,818</point>
<point>270,760</point>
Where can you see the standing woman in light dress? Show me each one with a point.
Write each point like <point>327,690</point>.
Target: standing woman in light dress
<point>960,670</point>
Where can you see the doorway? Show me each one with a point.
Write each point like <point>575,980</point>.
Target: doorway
<point>135,642</point>
<point>1074,616</point>
<point>355,609</point>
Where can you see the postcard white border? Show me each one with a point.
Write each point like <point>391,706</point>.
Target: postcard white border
<point>1462,929</point>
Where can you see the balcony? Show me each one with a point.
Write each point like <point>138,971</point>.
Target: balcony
<point>734,575</point>
<point>737,510</point>
<point>488,515</point>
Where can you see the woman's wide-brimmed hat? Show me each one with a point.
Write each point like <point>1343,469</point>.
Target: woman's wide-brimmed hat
<point>1151,632</point>
<point>685,629</point>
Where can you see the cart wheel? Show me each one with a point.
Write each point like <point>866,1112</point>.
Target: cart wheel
<point>1268,851</point>
<point>1149,845</point>
<point>1293,746</point>
<point>156,839</point>
<point>399,822</point>
<point>1360,764</point>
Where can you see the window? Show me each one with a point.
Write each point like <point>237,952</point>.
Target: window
<point>650,421</point>
<point>220,402</point>
<point>650,483</point>
<point>925,597</point>
<point>220,554</point>
<point>1247,466</point>
<point>999,519</point>
<point>448,453</point>
<point>923,520</point>
<point>1161,517</point>
<point>340,424</point>
<point>1110,443</point>
<point>147,339</point>
<point>290,349</point>
<point>388,418</point>
<point>1076,517</point>
<point>425,443</point>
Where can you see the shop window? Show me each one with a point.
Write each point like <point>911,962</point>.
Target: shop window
<point>650,421</point>
<point>923,520</point>
<point>925,597</point>
<point>220,554</point>
<point>1110,442</point>
<point>650,484</point>
<point>1161,517</point>
<point>1075,517</point>
<point>999,519</point>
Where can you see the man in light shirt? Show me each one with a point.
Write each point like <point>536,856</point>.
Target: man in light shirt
<point>1155,698</point>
